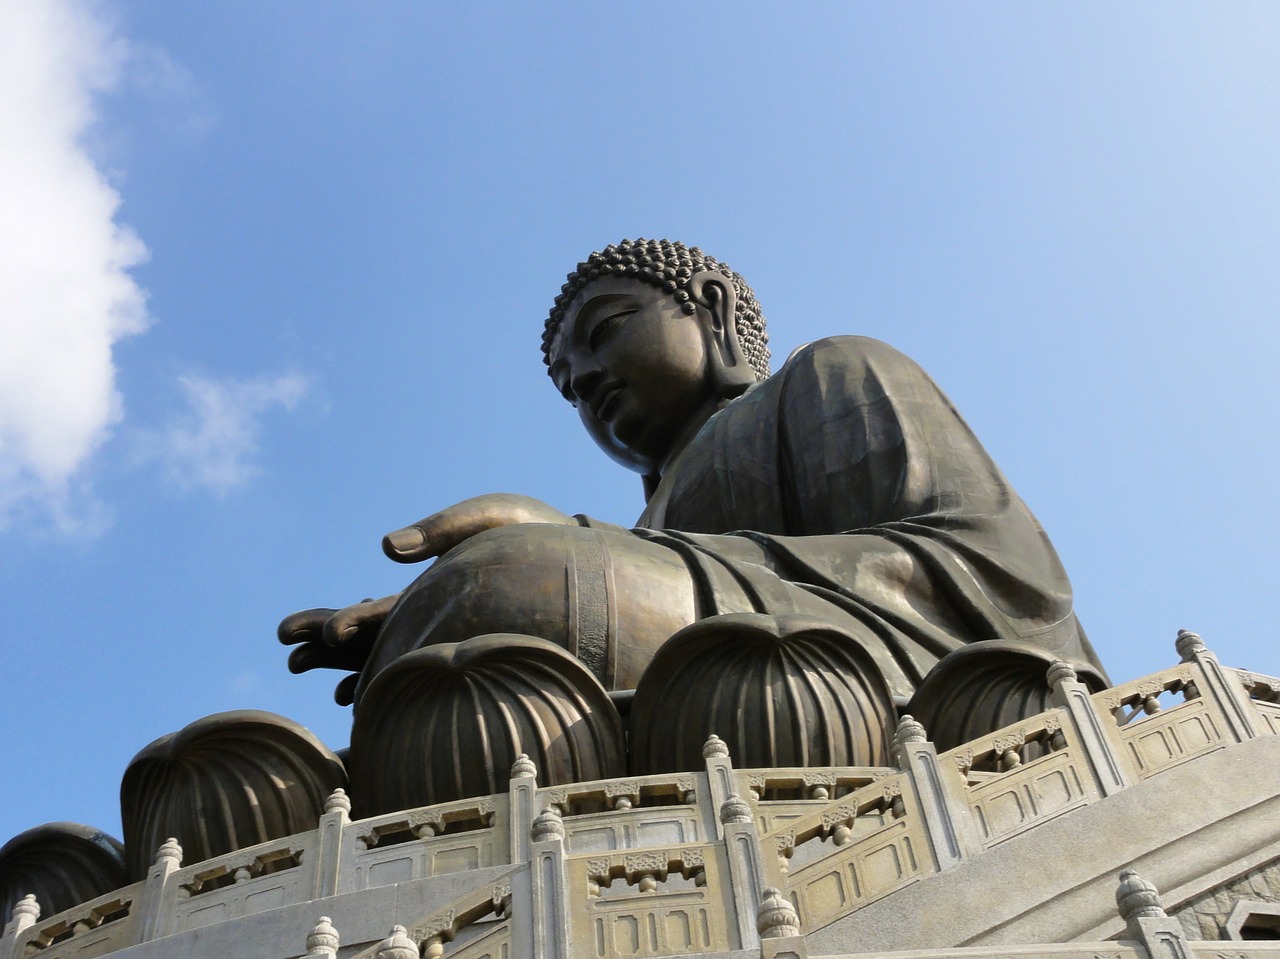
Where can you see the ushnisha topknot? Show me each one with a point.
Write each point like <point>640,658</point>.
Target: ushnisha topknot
<point>668,265</point>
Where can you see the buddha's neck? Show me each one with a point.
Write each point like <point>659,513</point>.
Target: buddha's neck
<point>692,429</point>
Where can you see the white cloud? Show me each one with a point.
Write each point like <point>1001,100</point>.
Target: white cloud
<point>66,296</point>
<point>213,446</point>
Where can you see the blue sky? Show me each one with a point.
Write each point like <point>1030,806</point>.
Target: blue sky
<point>273,276</point>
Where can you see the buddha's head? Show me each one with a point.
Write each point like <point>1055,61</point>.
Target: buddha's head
<point>646,338</point>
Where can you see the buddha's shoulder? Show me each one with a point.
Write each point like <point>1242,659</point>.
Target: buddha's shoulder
<point>830,372</point>
<point>847,350</point>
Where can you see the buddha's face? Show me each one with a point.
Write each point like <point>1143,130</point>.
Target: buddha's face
<point>635,365</point>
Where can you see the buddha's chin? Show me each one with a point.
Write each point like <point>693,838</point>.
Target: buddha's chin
<point>638,446</point>
<point>625,454</point>
<point>628,431</point>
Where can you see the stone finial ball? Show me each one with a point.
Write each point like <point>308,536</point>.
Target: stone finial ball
<point>398,945</point>
<point>1060,671</point>
<point>523,767</point>
<point>715,748</point>
<point>1137,898</point>
<point>909,731</point>
<point>548,825</point>
<point>323,938</point>
<point>735,810</point>
<point>776,917</point>
<point>338,801</point>
<point>27,908</point>
<point>1188,644</point>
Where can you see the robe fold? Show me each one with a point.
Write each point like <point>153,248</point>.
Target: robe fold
<point>847,486</point>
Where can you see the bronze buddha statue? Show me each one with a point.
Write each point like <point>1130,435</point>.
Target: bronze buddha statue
<point>822,547</point>
<point>841,496</point>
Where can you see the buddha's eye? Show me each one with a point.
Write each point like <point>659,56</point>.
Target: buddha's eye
<point>603,330</point>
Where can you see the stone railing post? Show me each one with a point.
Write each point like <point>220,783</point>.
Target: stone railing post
<point>398,945</point>
<point>549,887</point>
<point>1111,770</point>
<point>159,892</point>
<point>779,927</point>
<point>746,869</point>
<point>1146,922</point>
<point>326,877</point>
<point>720,782</point>
<point>524,798</point>
<point>322,941</point>
<point>1216,686</point>
<point>25,912</point>
<point>947,820</point>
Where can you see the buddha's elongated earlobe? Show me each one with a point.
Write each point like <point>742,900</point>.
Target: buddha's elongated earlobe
<point>713,293</point>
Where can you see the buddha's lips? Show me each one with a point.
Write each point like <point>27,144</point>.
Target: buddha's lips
<point>606,400</point>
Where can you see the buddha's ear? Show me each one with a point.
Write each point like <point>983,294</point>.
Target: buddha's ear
<point>714,294</point>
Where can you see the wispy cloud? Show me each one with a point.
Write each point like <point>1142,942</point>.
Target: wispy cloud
<point>66,296</point>
<point>246,682</point>
<point>213,446</point>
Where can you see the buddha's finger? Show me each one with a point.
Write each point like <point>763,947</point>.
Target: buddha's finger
<point>303,626</point>
<point>412,544</point>
<point>440,532</point>
<point>310,656</point>
<point>344,694</point>
<point>346,626</point>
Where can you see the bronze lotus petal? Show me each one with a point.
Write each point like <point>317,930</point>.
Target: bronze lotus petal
<point>225,782</point>
<point>62,864</point>
<point>448,721</point>
<point>779,690</point>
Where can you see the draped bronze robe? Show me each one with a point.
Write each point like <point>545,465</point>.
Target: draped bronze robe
<point>847,486</point>
<point>844,487</point>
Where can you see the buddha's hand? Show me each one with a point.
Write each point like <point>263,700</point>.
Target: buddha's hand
<point>442,531</point>
<point>335,639</point>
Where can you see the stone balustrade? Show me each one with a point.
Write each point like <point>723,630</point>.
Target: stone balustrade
<point>677,863</point>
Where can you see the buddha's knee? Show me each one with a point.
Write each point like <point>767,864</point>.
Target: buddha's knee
<point>607,597</point>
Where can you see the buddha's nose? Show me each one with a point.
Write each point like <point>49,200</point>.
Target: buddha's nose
<point>585,383</point>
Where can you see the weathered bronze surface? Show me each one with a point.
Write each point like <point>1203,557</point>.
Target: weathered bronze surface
<point>500,694</point>
<point>62,864</point>
<point>844,489</point>
<point>779,691</point>
<point>222,783</point>
<point>986,686</point>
